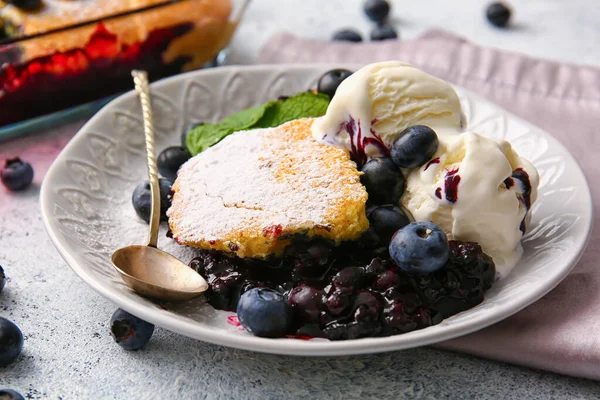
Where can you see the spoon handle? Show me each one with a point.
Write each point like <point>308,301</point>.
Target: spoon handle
<point>140,79</point>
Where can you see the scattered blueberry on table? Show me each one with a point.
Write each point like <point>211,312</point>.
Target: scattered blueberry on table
<point>16,174</point>
<point>498,14</point>
<point>383,32</point>
<point>130,332</point>
<point>414,147</point>
<point>142,199</point>
<point>9,394</point>
<point>347,35</point>
<point>170,160</point>
<point>331,80</point>
<point>11,342</point>
<point>383,181</point>
<point>27,5</point>
<point>265,312</point>
<point>2,278</point>
<point>376,10</point>
<point>420,248</point>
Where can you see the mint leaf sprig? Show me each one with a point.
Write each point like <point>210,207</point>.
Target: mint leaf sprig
<point>268,115</point>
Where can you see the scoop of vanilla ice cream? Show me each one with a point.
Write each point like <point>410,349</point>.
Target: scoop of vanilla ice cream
<point>476,189</point>
<point>376,103</point>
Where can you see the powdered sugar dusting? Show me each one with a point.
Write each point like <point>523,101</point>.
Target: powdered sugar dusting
<point>269,180</point>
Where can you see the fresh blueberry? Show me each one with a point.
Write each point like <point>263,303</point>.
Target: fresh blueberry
<point>186,131</point>
<point>2,278</point>
<point>383,32</point>
<point>330,80</point>
<point>265,312</point>
<point>27,5</point>
<point>16,174</point>
<point>11,342</point>
<point>347,35</point>
<point>419,248</point>
<point>170,160</point>
<point>498,14</point>
<point>142,199</point>
<point>383,180</point>
<point>387,220</point>
<point>377,10</point>
<point>130,332</point>
<point>415,146</point>
<point>9,394</point>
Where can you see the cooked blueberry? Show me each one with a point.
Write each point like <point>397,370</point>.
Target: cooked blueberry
<point>383,32</point>
<point>330,80</point>
<point>375,267</point>
<point>420,248</point>
<point>142,199</point>
<point>397,318</point>
<point>311,260</point>
<point>461,284</point>
<point>265,312</point>
<point>369,239</point>
<point>383,181</point>
<point>2,278</point>
<point>27,5</point>
<point>306,301</point>
<point>337,302</point>
<point>349,277</point>
<point>11,342</point>
<point>366,307</point>
<point>386,220</point>
<point>170,160</point>
<point>9,394</point>
<point>415,146</point>
<point>377,10</point>
<point>347,35</point>
<point>385,280</point>
<point>16,174</point>
<point>130,332</point>
<point>219,294</point>
<point>498,14</point>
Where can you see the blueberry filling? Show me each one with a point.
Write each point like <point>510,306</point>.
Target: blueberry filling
<point>451,182</point>
<point>345,292</point>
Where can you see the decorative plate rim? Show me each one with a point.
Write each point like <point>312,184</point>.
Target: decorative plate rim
<point>198,331</point>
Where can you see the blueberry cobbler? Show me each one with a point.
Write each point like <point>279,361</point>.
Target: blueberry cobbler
<point>59,53</point>
<point>364,209</point>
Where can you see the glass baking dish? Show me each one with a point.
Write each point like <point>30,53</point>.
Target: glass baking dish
<point>76,53</point>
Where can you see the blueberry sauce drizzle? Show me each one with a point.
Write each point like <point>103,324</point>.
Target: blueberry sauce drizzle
<point>451,182</point>
<point>359,144</point>
<point>434,161</point>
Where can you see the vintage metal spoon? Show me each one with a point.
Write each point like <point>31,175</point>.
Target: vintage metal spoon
<point>147,270</point>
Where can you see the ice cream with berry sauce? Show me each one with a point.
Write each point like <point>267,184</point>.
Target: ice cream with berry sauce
<point>372,106</point>
<point>475,188</point>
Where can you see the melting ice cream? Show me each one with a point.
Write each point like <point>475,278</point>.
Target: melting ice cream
<point>475,188</point>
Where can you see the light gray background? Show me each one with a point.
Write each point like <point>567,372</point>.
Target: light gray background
<point>69,353</point>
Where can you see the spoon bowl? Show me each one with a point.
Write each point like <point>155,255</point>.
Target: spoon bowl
<point>154,273</point>
<point>148,270</point>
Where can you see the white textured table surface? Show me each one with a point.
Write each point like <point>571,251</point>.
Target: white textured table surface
<point>69,353</point>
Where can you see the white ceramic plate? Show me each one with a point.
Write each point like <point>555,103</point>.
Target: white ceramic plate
<point>86,205</point>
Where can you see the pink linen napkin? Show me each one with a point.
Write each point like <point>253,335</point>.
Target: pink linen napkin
<point>560,332</point>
